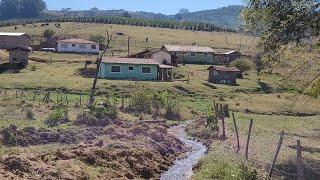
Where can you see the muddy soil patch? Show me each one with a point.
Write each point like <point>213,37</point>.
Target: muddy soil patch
<point>121,150</point>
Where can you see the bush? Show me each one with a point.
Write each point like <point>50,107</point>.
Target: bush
<point>58,116</point>
<point>173,111</point>
<point>242,64</point>
<point>30,114</point>
<point>141,101</point>
<point>212,122</point>
<point>100,111</point>
<point>98,38</point>
<point>33,67</point>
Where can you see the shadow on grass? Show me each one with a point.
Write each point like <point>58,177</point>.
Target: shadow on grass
<point>288,170</point>
<point>7,68</point>
<point>86,72</point>
<point>209,85</point>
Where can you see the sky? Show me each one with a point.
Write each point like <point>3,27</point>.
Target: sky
<point>156,6</point>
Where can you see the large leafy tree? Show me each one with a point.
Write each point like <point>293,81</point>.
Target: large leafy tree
<point>21,8</point>
<point>282,22</point>
<point>9,8</point>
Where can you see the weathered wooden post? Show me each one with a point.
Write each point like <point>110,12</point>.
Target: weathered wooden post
<point>300,170</point>
<point>223,123</point>
<point>276,155</point>
<point>236,131</point>
<point>80,100</point>
<point>248,140</point>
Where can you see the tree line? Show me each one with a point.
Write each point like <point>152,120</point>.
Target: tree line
<point>21,8</point>
<point>172,24</point>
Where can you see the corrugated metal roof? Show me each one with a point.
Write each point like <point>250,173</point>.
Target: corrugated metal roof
<point>224,68</point>
<point>118,60</point>
<point>163,66</point>
<point>176,48</point>
<point>11,34</point>
<point>76,41</point>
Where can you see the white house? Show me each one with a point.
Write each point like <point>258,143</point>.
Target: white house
<point>77,46</point>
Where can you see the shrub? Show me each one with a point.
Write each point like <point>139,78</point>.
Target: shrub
<point>100,111</point>
<point>58,116</point>
<point>212,122</point>
<point>173,110</point>
<point>33,67</point>
<point>141,102</point>
<point>30,114</point>
<point>98,38</point>
<point>242,64</point>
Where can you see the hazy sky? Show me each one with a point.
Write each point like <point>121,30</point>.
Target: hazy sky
<point>157,6</point>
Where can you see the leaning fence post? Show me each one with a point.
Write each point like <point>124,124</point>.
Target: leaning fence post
<point>223,123</point>
<point>248,140</point>
<point>277,153</point>
<point>236,131</point>
<point>300,170</point>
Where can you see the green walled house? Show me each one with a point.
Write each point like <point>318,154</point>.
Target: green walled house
<point>190,54</point>
<point>135,69</point>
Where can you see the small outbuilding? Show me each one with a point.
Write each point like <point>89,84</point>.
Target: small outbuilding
<point>19,56</point>
<point>9,40</point>
<point>223,75</point>
<point>76,45</point>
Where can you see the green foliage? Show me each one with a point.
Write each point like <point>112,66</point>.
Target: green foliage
<point>242,64</point>
<point>48,33</point>
<point>33,67</point>
<point>58,116</point>
<point>173,111</point>
<point>226,169</point>
<point>30,114</point>
<point>282,22</point>
<point>21,8</point>
<point>212,122</point>
<point>141,101</point>
<point>314,89</point>
<point>98,38</point>
<point>100,111</point>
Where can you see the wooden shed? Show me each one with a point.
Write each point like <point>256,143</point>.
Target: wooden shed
<point>14,40</point>
<point>223,75</point>
<point>19,56</point>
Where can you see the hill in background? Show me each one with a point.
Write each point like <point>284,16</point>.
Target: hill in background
<point>221,17</point>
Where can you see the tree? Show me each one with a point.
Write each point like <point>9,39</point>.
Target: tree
<point>98,38</point>
<point>184,11</point>
<point>242,64</point>
<point>32,8</point>
<point>282,22</point>
<point>9,8</point>
<point>48,34</point>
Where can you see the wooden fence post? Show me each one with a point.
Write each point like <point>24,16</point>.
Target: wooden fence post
<point>80,100</point>
<point>236,131</point>
<point>300,170</point>
<point>223,123</point>
<point>249,135</point>
<point>276,155</point>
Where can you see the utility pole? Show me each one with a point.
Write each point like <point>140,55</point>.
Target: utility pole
<point>128,46</point>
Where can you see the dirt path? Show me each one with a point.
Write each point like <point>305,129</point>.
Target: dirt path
<point>182,168</point>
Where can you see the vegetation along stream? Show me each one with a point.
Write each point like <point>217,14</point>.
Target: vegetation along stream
<point>182,168</point>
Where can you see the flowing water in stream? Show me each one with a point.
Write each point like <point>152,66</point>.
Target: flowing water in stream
<point>182,168</point>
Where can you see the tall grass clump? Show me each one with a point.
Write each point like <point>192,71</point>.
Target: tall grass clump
<point>30,114</point>
<point>58,116</point>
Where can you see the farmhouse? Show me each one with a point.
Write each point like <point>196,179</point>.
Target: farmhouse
<point>19,56</point>
<point>158,55</point>
<point>14,40</point>
<point>135,69</point>
<point>75,45</point>
<point>223,75</point>
<point>190,54</point>
<point>225,57</point>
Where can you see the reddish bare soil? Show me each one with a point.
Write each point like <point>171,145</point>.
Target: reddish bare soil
<point>120,150</point>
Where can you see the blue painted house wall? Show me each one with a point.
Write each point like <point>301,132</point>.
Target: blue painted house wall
<point>125,73</point>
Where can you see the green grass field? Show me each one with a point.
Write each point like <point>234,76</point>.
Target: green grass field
<point>282,109</point>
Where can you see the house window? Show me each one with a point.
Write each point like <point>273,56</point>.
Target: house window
<point>115,69</point>
<point>73,45</point>
<point>130,68</point>
<point>205,54</point>
<point>93,47</point>
<point>193,54</point>
<point>65,46</point>
<point>82,46</point>
<point>14,59</point>
<point>146,70</point>
<point>215,73</point>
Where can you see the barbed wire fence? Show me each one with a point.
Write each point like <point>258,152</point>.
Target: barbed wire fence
<point>297,167</point>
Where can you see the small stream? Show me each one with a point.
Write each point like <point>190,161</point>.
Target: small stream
<point>182,168</point>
